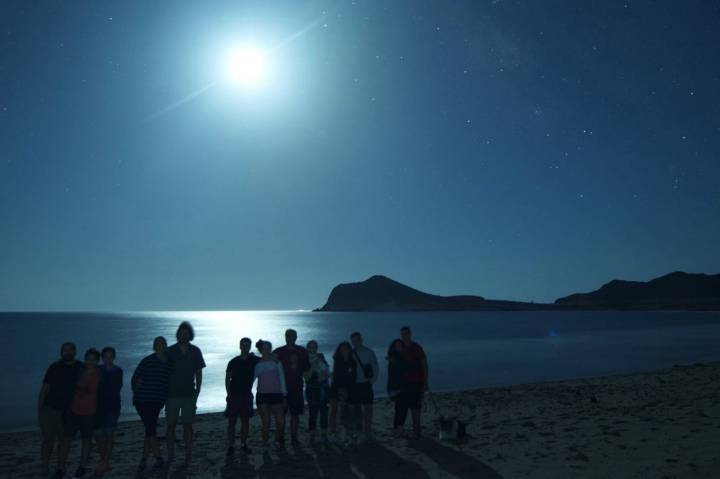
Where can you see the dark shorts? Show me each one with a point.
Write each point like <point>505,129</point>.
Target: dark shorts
<point>410,399</point>
<point>317,395</point>
<point>295,403</point>
<point>74,423</point>
<point>240,406</point>
<point>180,407</point>
<point>106,422</point>
<point>361,393</point>
<point>339,394</point>
<point>269,399</point>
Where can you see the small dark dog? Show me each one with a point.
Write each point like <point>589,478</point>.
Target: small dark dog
<point>451,429</point>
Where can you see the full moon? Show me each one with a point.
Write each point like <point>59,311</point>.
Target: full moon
<point>246,67</point>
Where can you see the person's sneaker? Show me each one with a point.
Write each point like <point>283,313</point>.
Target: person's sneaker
<point>230,451</point>
<point>245,449</point>
<point>80,472</point>
<point>143,464</point>
<point>59,474</point>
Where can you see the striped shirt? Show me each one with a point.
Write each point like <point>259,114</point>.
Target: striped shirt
<point>151,380</point>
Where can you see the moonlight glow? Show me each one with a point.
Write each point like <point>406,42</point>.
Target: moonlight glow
<point>246,67</point>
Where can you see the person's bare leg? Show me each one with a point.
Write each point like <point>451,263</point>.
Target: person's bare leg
<point>231,431</point>
<point>279,414</point>
<point>188,437</point>
<point>170,441</point>
<point>368,417</point>
<point>100,444</point>
<point>294,427</point>
<point>85,452</point>
<point>109,444</point>
<point>63,452</point>
<point>264,412</point>
<point>155,446</point>
<point>244,429</point>
<point>416,421</point>
<point>46,451</point>
<point>146,448</point>
<point>332,417</point>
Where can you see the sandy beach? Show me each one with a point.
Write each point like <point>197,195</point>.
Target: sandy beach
<point>662,424</point>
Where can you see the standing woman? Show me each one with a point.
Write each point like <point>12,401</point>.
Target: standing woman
<point>150,390</point>
<point>271,393</point>
<point>81,416</point>
<point>317,390</point>
<point>343,379</point>
<point>397,366</point>
<point>108,408</point>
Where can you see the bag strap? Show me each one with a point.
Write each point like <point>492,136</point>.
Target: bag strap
<point>358,358</point>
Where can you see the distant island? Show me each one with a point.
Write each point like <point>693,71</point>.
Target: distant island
<point>674,291</point>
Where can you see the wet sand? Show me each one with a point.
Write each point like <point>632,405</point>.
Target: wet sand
<point>662,424</point>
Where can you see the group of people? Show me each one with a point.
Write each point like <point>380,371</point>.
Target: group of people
<point>84,397</point>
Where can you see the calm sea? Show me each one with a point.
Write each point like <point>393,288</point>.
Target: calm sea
<point>465,350</point>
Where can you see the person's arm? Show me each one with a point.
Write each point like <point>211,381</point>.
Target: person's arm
<point>44,390</point>
<point>119,384</point>
<point>306,362</point>
<point>198,373</point>
<point>426,370</point>
<point>283,386</point>
<point>136,379</point>
<point>198,382</point>
<point>228,378</point>
<point>375,367</point>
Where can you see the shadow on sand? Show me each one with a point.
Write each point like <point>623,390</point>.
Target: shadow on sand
<point>454,461</point>
<point>372,461</point>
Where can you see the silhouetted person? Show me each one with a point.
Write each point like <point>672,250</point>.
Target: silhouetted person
<point>150,383</point>
<point>239,379</point>
<point>81,416</point>
<point>317,391</point>
<point>271,393</point>
<point>294,359</point>
<point>414,381</point>
<point>108,409</point>
<point>363,395</point>
<point>54,400</point>
<point>185,381</point>
<point>344,375</point>
<point>397,367</point>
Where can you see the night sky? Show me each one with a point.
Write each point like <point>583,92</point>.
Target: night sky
<point>512,149</point>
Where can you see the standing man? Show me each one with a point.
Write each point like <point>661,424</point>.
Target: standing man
<point>295,362</point>
<point>54,400</point>
<point>415,378</point>
<point>367,373</point>
<point>186,361</point>
<point>239,378</point>
<point>108,407</point>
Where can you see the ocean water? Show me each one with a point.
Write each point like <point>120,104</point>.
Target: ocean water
<point>465,349</point>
